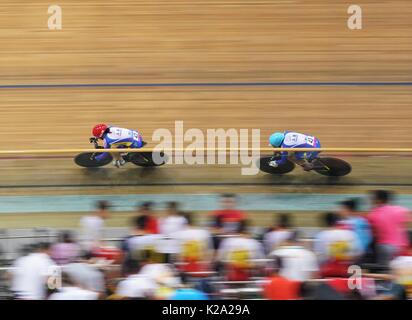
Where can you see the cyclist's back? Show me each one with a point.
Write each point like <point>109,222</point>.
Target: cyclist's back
<point>118,137</point>
<point>298,140</point>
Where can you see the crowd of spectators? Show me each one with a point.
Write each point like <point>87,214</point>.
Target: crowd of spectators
<point>167,255</point>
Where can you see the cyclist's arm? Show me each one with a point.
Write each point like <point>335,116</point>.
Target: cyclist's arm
<point>285,154</point>
<point>104,155</point>
<point>283,158</point>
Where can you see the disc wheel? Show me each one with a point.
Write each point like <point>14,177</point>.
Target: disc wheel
<point>332,167</point>
<point>88,160</point>
<point>264,166</point>
<point>148,159</point>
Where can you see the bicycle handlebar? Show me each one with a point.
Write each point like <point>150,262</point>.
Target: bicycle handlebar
<point>95,142</point>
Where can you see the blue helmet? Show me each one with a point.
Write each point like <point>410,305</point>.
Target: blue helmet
<point>276,139</point>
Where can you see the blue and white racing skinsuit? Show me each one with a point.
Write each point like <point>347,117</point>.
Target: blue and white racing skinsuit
<point>120,138</point>
<point>299,140</point>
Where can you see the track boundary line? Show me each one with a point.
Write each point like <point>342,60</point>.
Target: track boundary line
<point>210,84</point>
<point>211,184</point>
<point>226,150</point>
<point>353,155</point>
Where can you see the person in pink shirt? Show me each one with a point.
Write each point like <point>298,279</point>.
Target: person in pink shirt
<point>389,225</point>
<point>66,250</point>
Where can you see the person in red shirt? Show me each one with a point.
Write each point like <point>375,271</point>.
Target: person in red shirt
<point>278,287</point>
<point>229,215</point>
<point>145,209</point>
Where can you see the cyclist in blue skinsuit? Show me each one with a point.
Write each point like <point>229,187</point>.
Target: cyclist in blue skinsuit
<point>115,137</point>
<point>290,139</point>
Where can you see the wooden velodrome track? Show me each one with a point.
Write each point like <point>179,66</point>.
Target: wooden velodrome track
<point>216,41</point>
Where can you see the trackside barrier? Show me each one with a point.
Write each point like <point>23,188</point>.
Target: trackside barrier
<point>128,150</point>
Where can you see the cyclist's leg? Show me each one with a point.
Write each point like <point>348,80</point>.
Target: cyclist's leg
<point>300,159</point>
<point>137,144</point>
<point>119,157</point>
<point>313,156</point>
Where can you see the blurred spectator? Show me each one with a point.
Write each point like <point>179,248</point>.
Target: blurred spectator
<point>108,254</point>
<point>277,287</point>
<point>66,250</point>
<point>141,246</point>
<point>355,222</point>
<point>31,273</point>
<point>279,233</point>
<point>85,273</point>
<point>217,232</point>
<point>238,254</point>
<point>164,276</point>
<point>71,290</point>
<point>136,287</point>
<point>194,247</point>
<point>298,263</point>
<point>153,281</point>
<point>401,268</point>
<point>231,216</point>
<point>145,209</point>
<point>92,226</point>
<point>173,221</point>
<point>164,265</point>
<point>388,286</point>
<point>389,226</point>
<point>335,247</point>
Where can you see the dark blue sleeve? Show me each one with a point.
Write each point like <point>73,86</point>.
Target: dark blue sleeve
<point>104,155</point>
<point>283,158</point>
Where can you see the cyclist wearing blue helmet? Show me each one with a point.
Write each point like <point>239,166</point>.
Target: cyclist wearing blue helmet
<point>290,139</point>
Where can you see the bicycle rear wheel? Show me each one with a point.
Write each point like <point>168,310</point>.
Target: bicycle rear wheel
<point>264,166</point>
<point>148,159</point>
<point>332,167</point>
<point>88,160</point>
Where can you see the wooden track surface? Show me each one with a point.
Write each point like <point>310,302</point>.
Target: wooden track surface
<point>155,41</point>
<point>206,41</point>
<point>63,173</point>
<point>214,40</point>
<point>340,117</point>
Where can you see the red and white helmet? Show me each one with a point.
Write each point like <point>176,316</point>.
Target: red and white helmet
<point>99,129</point>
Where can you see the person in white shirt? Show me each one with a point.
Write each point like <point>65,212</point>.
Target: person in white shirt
<point>154,280</point>
<point>72,290</point>
<point>136,286</point>
<point>92,226</point>
<point>74,293</point>
<point>173,221</point>
<point>240,252</point>
<point>335,243</point>
<point>17,285</point>
<point>401,269</point>
<point>162,273</point>
<point>141,247</point>
<point>86,274</point>
<point>194,246</point>
<point>31,274</point>
<point>299,263</point>
<point>279,233</point>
